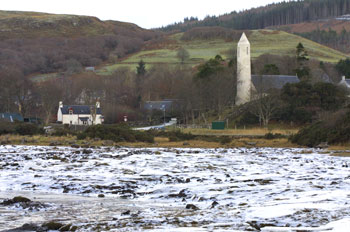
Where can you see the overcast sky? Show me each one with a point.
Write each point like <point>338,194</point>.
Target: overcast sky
<point>145,13</point>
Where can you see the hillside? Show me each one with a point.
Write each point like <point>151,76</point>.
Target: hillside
<point>200,50</point>
<point>18,24</point>
<point>335,24</point>
<point>33,42</point>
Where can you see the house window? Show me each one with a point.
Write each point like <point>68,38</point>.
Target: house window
<point>85,122</point>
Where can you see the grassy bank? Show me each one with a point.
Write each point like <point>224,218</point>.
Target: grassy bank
<point>241,132</point>
<point>159,142</point>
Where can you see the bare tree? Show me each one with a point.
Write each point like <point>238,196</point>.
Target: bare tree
<point>265,105</point>
<point>183,55</point>
<point>50,94</point>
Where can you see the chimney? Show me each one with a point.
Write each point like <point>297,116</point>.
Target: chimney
<point>60,104</point>
<point>98,104</point>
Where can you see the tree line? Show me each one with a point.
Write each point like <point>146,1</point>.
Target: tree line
<point>286,12</point>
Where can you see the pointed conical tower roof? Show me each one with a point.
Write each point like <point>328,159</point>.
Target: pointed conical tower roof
<point>243,40</point>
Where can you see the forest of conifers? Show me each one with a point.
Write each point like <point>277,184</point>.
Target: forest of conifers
<point>272,15</point>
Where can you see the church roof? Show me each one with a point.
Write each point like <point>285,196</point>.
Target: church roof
<point>266,82</point>
<point>79,109</point>
<point>244,39</point>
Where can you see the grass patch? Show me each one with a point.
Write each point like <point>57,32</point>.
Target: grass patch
<point>259,131</point>
<point>262,41</point>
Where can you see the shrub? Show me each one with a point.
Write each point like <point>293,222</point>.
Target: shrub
<point>144,137</point>
<point>81,136</point>
<point>334,133</point>
<point>27,129</point>
<point>225,140</point>
<point>117,133</point>
<point>273,136</point>
<point>6,128</point>
<point>179,136</point>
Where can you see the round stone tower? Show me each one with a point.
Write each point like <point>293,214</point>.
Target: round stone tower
<point>244,77</point>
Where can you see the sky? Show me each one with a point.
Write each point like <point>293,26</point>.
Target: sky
<point>145,13</point>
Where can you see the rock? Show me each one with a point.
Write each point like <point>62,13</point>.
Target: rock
<point>323,145</point>
<point>24,203</point>
<point>192,206</point>
<point>72,142</point>
<point>87,151</point>
<point>182,194</point>
<point>75,146</point>
<point>250,143</point>
<point>53,143</point>
<point>258,225</point>
<point>52,225</point>
<point>27,227</point>
<point>68,227</point>
<point>125,213</point>
<point>215,203</point>
<point>18,199</point>
<point>186,144</point>
<point>101,195</point>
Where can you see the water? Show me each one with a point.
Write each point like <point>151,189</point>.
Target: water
<point>149,189</point>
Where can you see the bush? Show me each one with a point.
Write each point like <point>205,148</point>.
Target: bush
<point>174,136</point>
<point>81,136</point>
<point>179,136</point>
<point>311,136</point>
<point>336,132</point>
<point>117,133</point>
<point>6,128</point>
<point>27,129</point>
<point>225,140</point>
<point>274,136</point>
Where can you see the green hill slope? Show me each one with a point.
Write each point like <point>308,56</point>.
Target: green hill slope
<point>200,50</point>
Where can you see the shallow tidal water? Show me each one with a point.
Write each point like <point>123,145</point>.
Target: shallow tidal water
<point>129,189</point>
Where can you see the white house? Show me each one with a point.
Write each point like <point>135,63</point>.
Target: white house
<point>344,82</point>
<point>79,114</point>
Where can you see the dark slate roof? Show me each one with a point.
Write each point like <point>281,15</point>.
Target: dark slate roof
<point>11,117</point>
<point>266,82</point>
<point>80,109</point>
<point>157,105</point>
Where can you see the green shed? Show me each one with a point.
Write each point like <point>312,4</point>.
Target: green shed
<point>219,125</point>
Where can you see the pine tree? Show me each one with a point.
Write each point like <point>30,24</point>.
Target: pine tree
<point>141,68</point>
<point>302,70</point>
